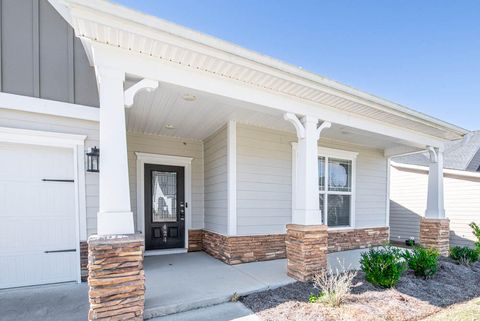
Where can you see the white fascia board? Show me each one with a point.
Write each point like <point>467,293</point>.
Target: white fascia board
<point>147,67</point>
<point>425,169</point>
<point>48,107</point>
<point>122,18</point>
<point>36,137</point>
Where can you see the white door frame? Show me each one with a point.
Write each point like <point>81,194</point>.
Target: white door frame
<point>77,144</point>
<point>158,159</point>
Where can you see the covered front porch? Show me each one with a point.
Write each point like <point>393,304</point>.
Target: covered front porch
<point>208,146</point>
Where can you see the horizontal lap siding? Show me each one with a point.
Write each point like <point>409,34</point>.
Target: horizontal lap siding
<point>164,145</point>
<point>215,151</point>
<point>264,175</point>
<point>408,201</point>
<point>264,181</point>
<point>32,121</point>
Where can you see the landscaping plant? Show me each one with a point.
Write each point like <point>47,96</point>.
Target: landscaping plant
<point>383,267</point>
<point>476,232</point>
<point>423,261</point>
<point>333,287</point>
<point>464,255</point>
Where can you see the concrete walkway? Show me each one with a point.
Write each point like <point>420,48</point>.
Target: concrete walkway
<point>56,302</point>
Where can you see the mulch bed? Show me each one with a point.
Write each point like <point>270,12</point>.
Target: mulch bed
<point>413,298</point>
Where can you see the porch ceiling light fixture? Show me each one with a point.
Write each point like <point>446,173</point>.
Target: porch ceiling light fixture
<point>189,97</point>
<point>93,160</point>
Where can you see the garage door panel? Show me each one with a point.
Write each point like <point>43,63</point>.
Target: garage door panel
<point>38,234</point>
<point>36,216</point>
<point>16,270</point>
<point>36,199</point>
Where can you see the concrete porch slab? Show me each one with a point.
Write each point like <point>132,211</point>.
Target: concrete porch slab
<point>182,282</point>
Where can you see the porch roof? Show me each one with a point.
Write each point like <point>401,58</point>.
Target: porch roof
<point>114,25</point>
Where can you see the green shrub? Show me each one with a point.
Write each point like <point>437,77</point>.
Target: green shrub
<point>476,232</point>
<point>464,255</point>
<point>383,267</point>
<point>423,261</point>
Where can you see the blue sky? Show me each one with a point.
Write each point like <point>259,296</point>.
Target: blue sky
<point>421,54</point>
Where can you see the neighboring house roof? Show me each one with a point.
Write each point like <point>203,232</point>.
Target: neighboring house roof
<point>463,154</point>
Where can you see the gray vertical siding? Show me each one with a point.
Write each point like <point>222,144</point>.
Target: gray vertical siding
<point>215,154</point>
<point>40,56</point>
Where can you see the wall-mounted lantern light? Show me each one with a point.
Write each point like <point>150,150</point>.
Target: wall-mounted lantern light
<point>93,160</point>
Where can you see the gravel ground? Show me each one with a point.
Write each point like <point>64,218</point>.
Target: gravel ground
<point>413,298</point>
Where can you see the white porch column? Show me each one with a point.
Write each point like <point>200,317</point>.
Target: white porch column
<point>114,216</point>
<point>435,202</point>
<point>307,206</point>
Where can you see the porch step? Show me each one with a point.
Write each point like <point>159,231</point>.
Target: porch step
<point>209,302</point>
<point>220,312</point>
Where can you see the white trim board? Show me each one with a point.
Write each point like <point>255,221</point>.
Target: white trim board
<point>146,158</point>
<point>77,144</point>
<point>232,177</point>
<point>48,107</point>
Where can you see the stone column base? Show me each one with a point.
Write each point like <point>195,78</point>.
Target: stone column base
<point>435,233</point>
<point>307,247</point>
<point>115,277</point>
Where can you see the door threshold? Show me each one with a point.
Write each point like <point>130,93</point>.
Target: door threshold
<point>165,252</point>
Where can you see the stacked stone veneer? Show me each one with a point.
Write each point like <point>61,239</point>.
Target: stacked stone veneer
<point>307,249</point>
<point>343,240</point>
<point>116,278</point>
<point>195,240</point>
<point>243,249</point>
<point>435,233</point>
<point>84,260</point>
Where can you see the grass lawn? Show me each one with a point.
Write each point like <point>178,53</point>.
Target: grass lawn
<point>469,311</point>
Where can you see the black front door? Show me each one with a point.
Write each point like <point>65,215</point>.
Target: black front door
<point>164,207</point>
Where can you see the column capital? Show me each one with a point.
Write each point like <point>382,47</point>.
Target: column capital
<point>104,73</point>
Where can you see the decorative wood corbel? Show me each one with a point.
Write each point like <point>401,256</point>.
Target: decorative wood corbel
<point>433,154</point>
<point>144,84</point>
<point>325,124</point>
<point>293,119</point>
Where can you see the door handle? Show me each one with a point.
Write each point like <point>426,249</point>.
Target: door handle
<point>61,251</point>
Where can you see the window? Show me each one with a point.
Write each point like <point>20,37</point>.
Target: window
<point>335,184</point>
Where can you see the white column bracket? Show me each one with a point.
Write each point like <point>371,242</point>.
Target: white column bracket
<point>293,119</point>
<point>144,84</point>
<point>321,127</point>
<point>433,154</point>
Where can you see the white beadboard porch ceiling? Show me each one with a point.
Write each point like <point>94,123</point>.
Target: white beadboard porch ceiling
<point>123,28</point>
<point>198,119</point>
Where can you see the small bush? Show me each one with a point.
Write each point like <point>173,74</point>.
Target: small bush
<point>423,261</point>
<point>383,267</point>
<point>476,232</point>
<point>333,287</point>
<point>464,255</point>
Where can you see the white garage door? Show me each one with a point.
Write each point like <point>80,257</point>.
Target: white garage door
<point>37,216</point>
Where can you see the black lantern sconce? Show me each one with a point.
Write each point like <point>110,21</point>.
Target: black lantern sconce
<point>93,160</point>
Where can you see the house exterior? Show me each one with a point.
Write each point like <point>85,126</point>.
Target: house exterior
<point>408,191</point>
<point>203,146</point>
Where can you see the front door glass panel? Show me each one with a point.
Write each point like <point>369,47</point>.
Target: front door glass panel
<point>164,196</point>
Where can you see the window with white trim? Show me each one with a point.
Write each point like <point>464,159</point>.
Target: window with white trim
<point>336,188</point>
